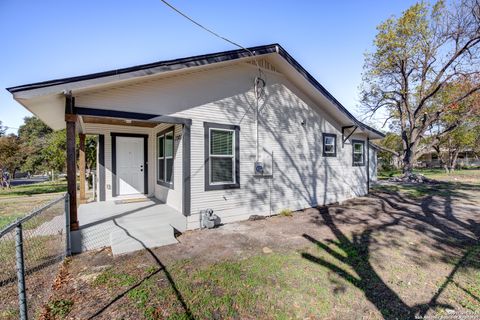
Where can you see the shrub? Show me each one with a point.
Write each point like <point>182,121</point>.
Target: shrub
<point>286,212</point>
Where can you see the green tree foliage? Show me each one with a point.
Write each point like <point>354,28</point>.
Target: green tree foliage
<point>38,148</point>
<point>10,155</point>
<point>91,152</point>
<point>416,57</point>
<point>463,138</point>
<point>54,152</point>
<point>462,131</point>
<point>33,135</point>
<point>32,129</point>
<point>390,150</point>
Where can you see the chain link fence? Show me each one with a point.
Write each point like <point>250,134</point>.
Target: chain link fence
<point>31,250</point>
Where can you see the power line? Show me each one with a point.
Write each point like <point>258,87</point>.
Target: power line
<point>210,31</point>
<point>259,83</point>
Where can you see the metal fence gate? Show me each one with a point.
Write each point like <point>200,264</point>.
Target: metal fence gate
<point>31,250</point>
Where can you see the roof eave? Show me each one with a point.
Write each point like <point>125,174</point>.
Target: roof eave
<point>168,65</point>
<point>196,61</point>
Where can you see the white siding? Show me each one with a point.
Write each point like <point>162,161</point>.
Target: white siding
<point>301,176</point>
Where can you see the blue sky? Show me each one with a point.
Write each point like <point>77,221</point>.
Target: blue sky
<point>43,40</point>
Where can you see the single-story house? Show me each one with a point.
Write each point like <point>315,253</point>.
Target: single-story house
<point>241,135</point>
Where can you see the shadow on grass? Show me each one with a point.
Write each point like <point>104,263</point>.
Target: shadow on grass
<point>161,267</point>
<point>436,221</point>
<point>453,189</point>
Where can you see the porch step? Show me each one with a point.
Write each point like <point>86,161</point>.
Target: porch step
<point>140,236</point>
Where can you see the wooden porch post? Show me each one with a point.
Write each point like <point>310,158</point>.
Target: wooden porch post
<point>71,120</point>
<point>81,166</point>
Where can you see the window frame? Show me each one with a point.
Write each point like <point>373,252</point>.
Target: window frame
<point>329,154</point>
<point>358,164</point>
<point>208,128</point>
<point>162,134</point>
<point>222,156</point>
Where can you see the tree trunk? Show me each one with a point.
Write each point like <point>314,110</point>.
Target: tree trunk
<point>407,162</point>
<point>453,161</point>
<point>410,143</point>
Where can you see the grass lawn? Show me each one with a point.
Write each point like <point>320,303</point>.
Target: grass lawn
<point>398,253</point>
<point>20,200</point>
<point>461,175</point>
<point>461,180</point>
<point>34,189</point>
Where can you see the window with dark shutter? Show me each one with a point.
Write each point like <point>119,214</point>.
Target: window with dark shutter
<point>358,152</point>
<point>222,158</point>
<point>329,145</point>
<point>165,157</point>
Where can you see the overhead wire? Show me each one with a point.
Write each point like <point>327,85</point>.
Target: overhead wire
<point>210,31</point>
<point>259,82</point>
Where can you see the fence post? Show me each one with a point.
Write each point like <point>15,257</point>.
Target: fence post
<point>94,185</point>
<point>67,225</point>
<point>20,262</point>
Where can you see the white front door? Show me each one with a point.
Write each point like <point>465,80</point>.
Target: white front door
<point>130,165</point>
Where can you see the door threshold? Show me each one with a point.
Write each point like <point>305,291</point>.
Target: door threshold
<point>131,200</point>
<point>131,196</point>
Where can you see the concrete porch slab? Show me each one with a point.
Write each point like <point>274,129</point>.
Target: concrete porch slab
<point>141,237</point>
<point>126,227</point>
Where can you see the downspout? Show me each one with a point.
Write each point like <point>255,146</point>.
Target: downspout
<point>256,119</point>
<point>258,86</point>
<point>186,170</point>
<point>368,165</point>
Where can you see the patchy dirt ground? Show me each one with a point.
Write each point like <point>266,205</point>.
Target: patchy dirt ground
<point>388,255</point>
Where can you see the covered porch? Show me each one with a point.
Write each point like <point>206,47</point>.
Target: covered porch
<point>132,209</point>
<point>142,201</point>
<point>126,225</point>
<point>129,113</point>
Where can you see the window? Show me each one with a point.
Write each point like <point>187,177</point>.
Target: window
<point>222,164</point>
<point>165,146</point>
<point>358,149</point>
<point>329,145</point>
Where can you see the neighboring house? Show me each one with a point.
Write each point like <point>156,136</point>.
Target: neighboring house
<point>184,131</point>
<point>465,158</point>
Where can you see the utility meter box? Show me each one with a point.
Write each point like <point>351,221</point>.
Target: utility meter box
<point>263,167</point>
<point>259,168</point>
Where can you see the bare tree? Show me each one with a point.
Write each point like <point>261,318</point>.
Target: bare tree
<point>416,57</point>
